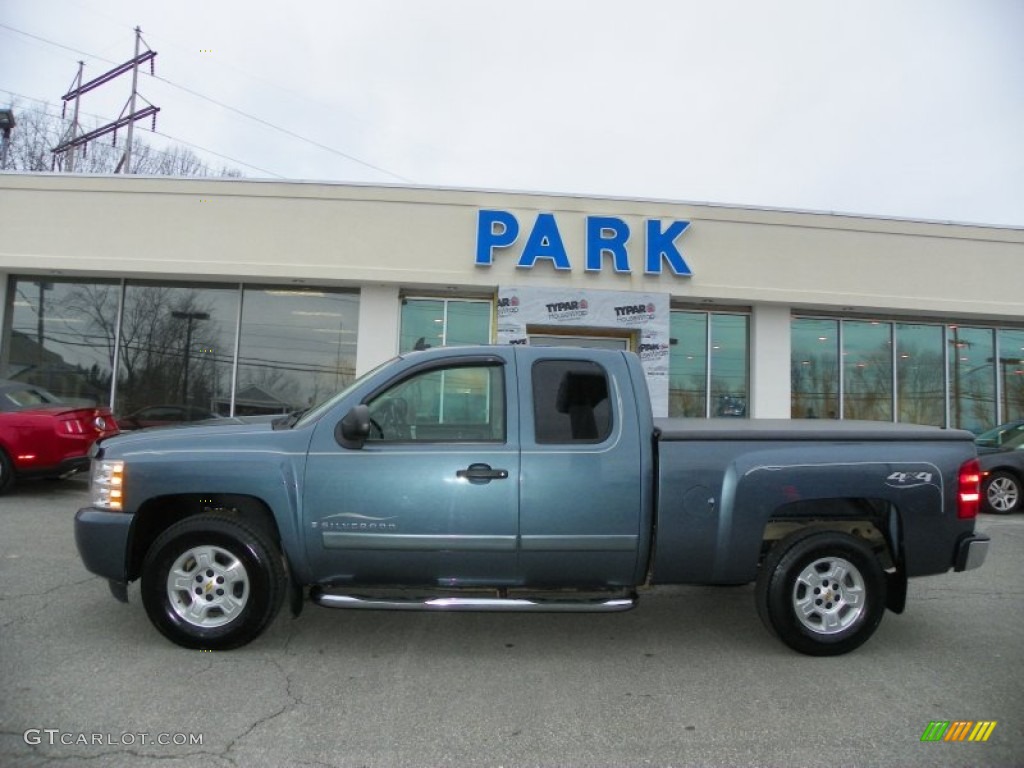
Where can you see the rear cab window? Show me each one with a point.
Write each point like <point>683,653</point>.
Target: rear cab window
<point>571,403</point>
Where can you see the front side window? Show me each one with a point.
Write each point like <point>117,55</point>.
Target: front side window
<point>570,402</point>
<point>457,404</point>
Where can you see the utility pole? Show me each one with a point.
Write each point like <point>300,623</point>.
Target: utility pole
<point>74,130</point>
<point>7,123</point>
<point>127,160</point>
<point>72,139</point>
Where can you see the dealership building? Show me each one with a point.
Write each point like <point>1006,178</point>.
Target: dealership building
<point>197,296</point>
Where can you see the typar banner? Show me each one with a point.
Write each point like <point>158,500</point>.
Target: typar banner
<point>644,315</point>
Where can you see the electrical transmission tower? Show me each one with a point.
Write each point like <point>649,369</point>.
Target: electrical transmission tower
<point>74,137</point>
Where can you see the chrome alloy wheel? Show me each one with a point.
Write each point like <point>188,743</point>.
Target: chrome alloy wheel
<point>829,595</point>
<point>207,586</point>
<point>1002,493</point>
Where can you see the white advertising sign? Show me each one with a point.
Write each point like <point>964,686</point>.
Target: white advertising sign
<point>645,316</point>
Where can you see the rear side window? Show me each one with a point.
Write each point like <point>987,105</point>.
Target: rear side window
<point>570,402</point>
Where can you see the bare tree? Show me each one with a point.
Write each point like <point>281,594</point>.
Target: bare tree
<point>38,132</point>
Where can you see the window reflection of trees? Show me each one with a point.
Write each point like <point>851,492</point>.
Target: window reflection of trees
<point>920,377</point>
<point>171,342</point>
<point>297,348</point>
<point>937,367</point>
<point>1011,373</point>
<point>814,369</point>
<point>693,335</point>
<point>867,370</point>
<point>57,342</point>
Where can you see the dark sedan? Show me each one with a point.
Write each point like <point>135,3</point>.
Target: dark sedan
<point>42,436</point>
<point>1001,453</point>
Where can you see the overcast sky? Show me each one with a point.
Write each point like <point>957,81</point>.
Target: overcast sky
<point>905,108</point>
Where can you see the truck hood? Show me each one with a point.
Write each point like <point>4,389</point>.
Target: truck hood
<point>185,438</point>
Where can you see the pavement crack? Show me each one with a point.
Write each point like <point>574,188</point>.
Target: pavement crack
<point>289,706</point>
<point>50,591</point>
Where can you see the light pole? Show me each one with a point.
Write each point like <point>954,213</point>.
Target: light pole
<point>7,124</point>
<point>189,318</point>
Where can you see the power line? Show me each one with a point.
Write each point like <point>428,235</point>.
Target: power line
<point>228,107</point>
<point>283,130</point>
<point>51,42</point>
<point>218,154</point>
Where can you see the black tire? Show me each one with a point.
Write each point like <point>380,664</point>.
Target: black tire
<point>229,587</point>
<point>6,472</point>
<point>1001,493</point>
<point>826,619</point>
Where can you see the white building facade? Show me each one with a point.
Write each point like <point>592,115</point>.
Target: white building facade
<point>241,297</point>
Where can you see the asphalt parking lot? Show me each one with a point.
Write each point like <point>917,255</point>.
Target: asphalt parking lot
<point>688,678</point>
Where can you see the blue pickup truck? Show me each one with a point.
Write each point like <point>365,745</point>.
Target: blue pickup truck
<point>516,478</point>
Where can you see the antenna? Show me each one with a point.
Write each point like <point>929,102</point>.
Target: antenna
<point>74,138</point>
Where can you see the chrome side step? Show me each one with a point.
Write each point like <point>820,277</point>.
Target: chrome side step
<point>493,604</point>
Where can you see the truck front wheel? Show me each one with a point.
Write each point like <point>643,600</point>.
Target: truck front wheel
<point>211,582</point>
<point>821,592</point>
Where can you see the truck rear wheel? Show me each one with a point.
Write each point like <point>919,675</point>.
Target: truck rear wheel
<point>211,582</point>
<point>821,592</point>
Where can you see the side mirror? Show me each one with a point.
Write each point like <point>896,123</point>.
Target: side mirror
<point>353,430</point>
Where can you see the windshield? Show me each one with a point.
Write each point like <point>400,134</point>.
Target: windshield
<point>315,413</point>
<point>24,398</point>
<point>1005,435</point>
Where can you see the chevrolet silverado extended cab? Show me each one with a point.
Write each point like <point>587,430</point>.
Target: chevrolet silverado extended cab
<point>525,478</point>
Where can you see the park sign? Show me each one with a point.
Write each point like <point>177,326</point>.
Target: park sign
<point>606,242</point>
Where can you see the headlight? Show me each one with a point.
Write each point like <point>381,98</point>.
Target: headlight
<point>108,484</point>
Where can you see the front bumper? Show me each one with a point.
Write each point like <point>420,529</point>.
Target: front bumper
<point>102,540</point>
<point>971,551</point>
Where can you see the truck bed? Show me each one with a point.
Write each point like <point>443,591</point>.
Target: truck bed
<point>669,430</point>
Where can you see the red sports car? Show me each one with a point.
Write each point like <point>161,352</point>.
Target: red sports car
<point>42,437</point>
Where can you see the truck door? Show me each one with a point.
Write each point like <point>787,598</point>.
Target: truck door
<point>432,497</point>
<point>581,502</point>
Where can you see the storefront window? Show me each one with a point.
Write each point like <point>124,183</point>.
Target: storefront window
<point>939,371</point>
<point>972,378</point>
<point>867,370</point>
<point>729,353</point>
<point>687,380</point>
<point>692,334</point>
<point>61,336</point>
<point>1011,375</point>
<point>815,369</point>
<point>920,374</point>
<point>297,348</point>
<point>177,347</point>
<point>430,323</point>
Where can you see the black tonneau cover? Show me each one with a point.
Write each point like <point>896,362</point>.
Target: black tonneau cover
<point>800,429</point>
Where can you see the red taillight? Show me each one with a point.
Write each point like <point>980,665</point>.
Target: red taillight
<point>969,490</point>
<point>72,426</point>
